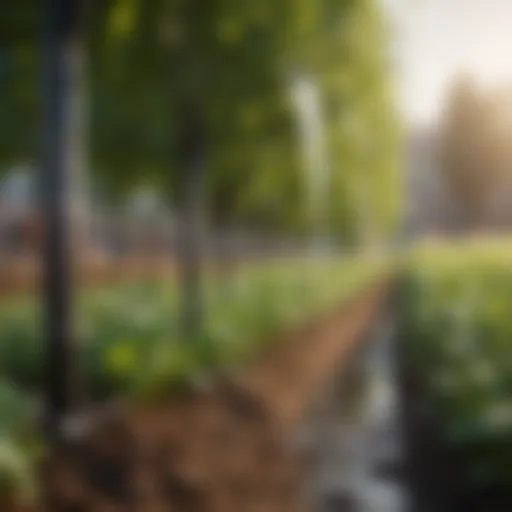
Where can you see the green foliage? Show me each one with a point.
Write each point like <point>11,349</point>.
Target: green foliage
<point>458,328</point>
<point>20,81</point>
<point>130,336</point>
<point>19,447</point>
<point>234,59</point>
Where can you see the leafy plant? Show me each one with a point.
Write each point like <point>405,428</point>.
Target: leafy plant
<point>457,324</point>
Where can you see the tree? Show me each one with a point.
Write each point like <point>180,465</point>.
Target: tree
<point>146,55</point>
<point>232,60</point>
<point>62,73</point>
<point>474,149</point>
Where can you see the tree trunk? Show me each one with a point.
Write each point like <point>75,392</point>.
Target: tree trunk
<point>191,223</point>
<point>62,76</point>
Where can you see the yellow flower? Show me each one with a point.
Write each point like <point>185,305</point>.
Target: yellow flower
<point>121,357</point>
<point>122,21</point>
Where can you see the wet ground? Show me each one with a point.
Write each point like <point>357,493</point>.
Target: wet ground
<point>354,434</point>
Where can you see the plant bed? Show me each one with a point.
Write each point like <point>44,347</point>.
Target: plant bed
<point>433,474</point>
<point>226,448</point>
<point>456,375</point>
<point>436,471</point>
<point>129,334</point>
<point>130,350</point>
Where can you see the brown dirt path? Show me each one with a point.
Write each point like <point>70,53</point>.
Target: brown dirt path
<point>288,378</point>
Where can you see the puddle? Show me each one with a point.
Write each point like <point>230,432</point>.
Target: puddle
<point>354,434</point>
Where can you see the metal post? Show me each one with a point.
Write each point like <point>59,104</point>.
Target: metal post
<point>62,20</point>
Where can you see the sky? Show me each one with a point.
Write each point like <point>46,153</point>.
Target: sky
<point>435,40</point>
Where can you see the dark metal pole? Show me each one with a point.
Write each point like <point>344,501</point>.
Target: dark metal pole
<point>62,20</point>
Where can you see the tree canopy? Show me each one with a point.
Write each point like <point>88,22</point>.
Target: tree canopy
<point>234,59</point>
<point>475,151</point>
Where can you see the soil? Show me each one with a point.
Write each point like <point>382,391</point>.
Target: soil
<point>227,449</point>
<point>21,274</point>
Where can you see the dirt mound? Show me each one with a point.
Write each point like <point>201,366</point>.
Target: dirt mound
<point>218,451</point>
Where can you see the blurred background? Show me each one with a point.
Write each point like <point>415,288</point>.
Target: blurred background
<point>181,181</point>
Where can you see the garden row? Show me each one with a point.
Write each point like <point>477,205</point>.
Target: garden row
<point>456,331</point>
<point>130,346</point>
